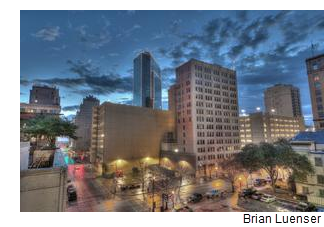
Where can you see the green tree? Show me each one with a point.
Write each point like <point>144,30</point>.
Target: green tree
<point>231,170</point>
<point>271,157</point>
<point>249,159</point>
<point>48,128</point>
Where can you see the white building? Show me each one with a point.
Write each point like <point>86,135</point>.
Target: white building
<point>311,144</point>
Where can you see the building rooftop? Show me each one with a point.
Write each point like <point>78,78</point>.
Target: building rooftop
<point>315,57</point>
<point>317,137</point>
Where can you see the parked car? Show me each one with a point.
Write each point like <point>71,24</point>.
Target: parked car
<point>257,195</point>
<point>71,193</point>
<point>183,209</point>
<point>212,194</point>
<point>247,192</point>
<point>305,207</point>
<point>259,182</point>
<point>195,198</point>
<point>268,198</point>
<point>134,186</point>
<point>123,187</point>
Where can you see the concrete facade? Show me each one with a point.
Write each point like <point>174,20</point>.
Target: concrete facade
<point>206,112</point>
<point>123,135</point>
<point>264,127</point>
<point>315,71</point>
<point>43,190</point>
<point>83,120</point>
<point>283,100</point>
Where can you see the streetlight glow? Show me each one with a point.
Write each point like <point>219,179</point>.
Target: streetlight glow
<point>176,150</point>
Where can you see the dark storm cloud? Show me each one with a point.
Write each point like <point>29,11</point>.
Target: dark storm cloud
<point>71,108</point>
<point>90,80</point>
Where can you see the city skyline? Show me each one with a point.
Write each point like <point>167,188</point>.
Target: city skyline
<point>92,52</point>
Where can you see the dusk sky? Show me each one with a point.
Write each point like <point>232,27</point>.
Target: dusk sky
<point>92,52</point>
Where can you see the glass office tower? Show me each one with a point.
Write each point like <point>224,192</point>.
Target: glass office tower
<point>147,90</point>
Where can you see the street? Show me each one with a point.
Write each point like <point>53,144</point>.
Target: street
<point>96,194</point>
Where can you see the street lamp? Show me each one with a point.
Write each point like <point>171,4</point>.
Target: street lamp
<point>172,199</point>
<point>240,183</point>
<point>153,202</point>
<point>176,150</point>
<point>258,108</point>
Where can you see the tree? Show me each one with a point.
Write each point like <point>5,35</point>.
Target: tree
<point>271,157</point>
<point>48,128</point>
<point>231,169</point>
<point>298,166</point>
<point>248,159</point>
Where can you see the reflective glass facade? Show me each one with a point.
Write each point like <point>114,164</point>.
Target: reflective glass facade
<point>147,82</point>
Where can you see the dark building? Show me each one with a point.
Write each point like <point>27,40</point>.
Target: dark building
<point>147,90</point>
<point>83,120</point>
<point>44,95</point>
<point>315,71</point>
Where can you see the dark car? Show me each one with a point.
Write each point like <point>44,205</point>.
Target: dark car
<point>305,207</point>
<point>195,198</point>
<point>71,193</point>
<point>183,209</point>
<point>256,195</point>
<point>134,186</point>
<point>247,192</point>
<point>260,182</point>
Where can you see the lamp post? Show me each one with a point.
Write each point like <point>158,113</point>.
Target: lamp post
<point>153,202</point>
<point>240,179</point>
<point>173,199</point>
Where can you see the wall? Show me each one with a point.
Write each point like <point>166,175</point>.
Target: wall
<point>43,190</point>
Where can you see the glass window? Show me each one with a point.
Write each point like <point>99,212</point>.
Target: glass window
<point>318,161</point>
<point>320,179</point>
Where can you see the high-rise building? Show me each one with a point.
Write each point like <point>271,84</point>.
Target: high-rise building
<point>147,88</point>
<point>283,100</point>
<point>44,95</point>
<point>123,136</point>
<point>206,112</point>
<point>315,71</point>
<point>265,127</point>
<point>83,120</point>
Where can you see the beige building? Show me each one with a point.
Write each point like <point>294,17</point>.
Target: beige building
<point>283,100</point>
<point>206,112</point>
<point>264,127</point>
<point>83,122</point>
<point>311,144</point>
<point>43,190</point>
<point>123,136</point>
<point>315,71</point>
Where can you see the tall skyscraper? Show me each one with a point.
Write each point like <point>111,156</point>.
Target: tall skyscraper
<point>83,120</point>
<point>206,112</point>
<point>44,95</point>
<point>147,90</point>
<point>283,100</point>
<point>315,71</point>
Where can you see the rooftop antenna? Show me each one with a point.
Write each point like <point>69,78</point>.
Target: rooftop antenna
<point>313,48</point>
<point>233,64</point>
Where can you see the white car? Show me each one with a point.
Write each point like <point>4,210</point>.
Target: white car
<point>268,198</point>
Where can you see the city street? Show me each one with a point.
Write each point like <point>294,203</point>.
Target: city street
<point>94,195</point>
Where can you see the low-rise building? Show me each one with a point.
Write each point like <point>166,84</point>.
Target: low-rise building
<point>42,189</point>
<point>264,127</point>
<point>124,136</point>
<point>311,144</point>
<point>31,110</point>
